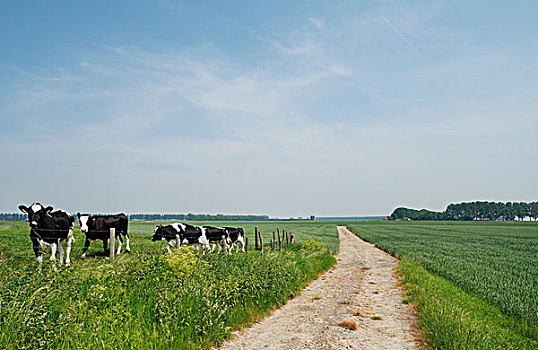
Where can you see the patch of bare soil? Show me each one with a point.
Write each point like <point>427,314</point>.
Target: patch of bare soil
<point>355,305</point>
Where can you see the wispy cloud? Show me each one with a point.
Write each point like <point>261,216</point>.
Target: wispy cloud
<point>315,113</point>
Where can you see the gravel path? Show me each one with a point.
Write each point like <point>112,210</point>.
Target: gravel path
<point>361,288</point>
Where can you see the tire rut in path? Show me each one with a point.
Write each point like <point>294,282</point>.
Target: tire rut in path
<point>359,287</point>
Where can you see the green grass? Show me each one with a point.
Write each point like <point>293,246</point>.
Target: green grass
<point>324,232</point>
<point>451,318</point>
<point>477,282</point>
<point>147,299</point>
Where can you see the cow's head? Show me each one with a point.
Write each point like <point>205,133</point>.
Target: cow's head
<point>36,212</point>
<point>158,235</point>
<point>83,220</point>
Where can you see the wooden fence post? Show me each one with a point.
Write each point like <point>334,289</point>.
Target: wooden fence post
<point>279,241</point>
<point>261,244</point>
<point>287,239</point>
<point>112,243</point>
<point>224,243</point>
<point>246,245</point>
<point>178,242</point>
<point>256,237</point>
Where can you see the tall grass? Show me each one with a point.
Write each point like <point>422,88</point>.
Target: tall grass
<point>451,318</point>
<point>147,299</point>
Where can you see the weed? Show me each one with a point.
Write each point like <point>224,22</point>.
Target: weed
<point>352,325</point>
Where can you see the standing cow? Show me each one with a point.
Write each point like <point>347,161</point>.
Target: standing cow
<point>49,229</point>
<point>235,235</point>
<point>187,234</point>
<point>97,227</point>
<point>215,235</point>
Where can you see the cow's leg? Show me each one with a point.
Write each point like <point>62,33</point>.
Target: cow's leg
<point>120,241</point>
<point>105,246</point>
<point>168,247</point>
<point>68,244</point>
<point>224,243</point>
<point>38,251</point>
<point>61,249</point>
<point>53,248</point>
<point>86,246</point>
<point>127,241</point>
<point>241,239</point>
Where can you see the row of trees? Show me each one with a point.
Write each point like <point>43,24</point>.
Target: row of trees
<point>12,217</point>
<point>198,217</point>
<point>473,211</point>
<point>155,217</point>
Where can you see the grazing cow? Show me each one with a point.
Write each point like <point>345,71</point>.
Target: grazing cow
<point>215,234</point>
<point>187,234</point>
<point>49,228</point>
<point>97,227</point>
<point>235,235</point>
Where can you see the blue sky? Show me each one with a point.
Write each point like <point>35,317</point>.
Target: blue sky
<point>280,108</point>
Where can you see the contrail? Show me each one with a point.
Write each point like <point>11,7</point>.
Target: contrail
<point>403,37</point>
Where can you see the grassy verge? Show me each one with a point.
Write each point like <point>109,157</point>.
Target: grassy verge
<point>149,300</point>
<point>451,318</point>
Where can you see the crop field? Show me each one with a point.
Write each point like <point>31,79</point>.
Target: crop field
<point>149,299</point>
<point>495,261</point>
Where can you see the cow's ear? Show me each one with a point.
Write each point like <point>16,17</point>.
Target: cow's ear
<point>48,209</point>
<point>23,208</point>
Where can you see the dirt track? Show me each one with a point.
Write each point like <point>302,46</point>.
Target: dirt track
<point>360,288</point>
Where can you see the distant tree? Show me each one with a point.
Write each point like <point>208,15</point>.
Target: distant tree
<point>471,211</point>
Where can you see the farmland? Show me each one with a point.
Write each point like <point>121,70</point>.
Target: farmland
<point>475,285</point>
<point>493,268</point>
<point>148,299</point>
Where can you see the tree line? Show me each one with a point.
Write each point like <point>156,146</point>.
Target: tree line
<point>12,217</point>
<point>197,217</point>
<point>163,217</point>
<point>508,211</point>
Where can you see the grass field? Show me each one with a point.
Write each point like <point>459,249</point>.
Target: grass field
<point>488,293</point>
<point>148,299</point>
<point>475,286</point>
<point>324,232</point>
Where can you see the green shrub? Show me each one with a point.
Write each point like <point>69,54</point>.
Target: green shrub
<point>182,262</point>
<point>310,245</point>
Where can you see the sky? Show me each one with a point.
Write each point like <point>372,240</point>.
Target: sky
<point>283,108</point>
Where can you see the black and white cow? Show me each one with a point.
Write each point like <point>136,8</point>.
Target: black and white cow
<point>235,235</point>
<point>50,229</point>
<point>187,234</point>
<point>97,228</point>
<point>215,234</point>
